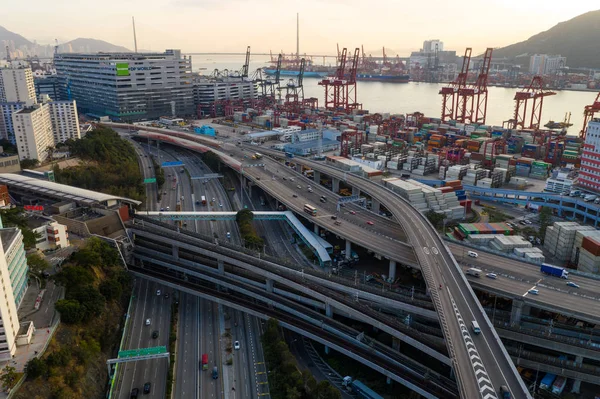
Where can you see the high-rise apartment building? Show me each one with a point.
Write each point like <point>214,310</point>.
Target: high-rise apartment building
<point>33,132</point>
<point>16,85</point>
<point>129,86</point>
<point>431,46</point>
<point>13,284</point>
<point>544,64</point>
<point>589,172</point>
<point>7,110</point>
<point>65,120</point>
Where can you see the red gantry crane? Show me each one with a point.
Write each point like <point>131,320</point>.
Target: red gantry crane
<point>340,90</point>
<point>588,114</point>
<point>449,93</point>
<point>472,100</point>
<point>531,119</point>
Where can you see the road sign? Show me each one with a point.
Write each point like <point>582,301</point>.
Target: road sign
<point>157,350</point>
<point>150,180</point>
<point>171,164</point>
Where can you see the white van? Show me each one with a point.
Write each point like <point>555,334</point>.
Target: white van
<point>475,327</point>
<point>473,254</point>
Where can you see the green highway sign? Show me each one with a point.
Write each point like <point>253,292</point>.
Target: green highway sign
<point>143,352</point>
<point>150,180</point>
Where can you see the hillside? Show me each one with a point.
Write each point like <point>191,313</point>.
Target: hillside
<point>578,39</point>
<point>7,35</point>
<point>91,46</point>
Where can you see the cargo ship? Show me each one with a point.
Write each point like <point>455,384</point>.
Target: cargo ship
<point>384,77</point>
<point>295,72</point>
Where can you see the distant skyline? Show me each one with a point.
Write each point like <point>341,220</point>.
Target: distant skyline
<point>231,25</point>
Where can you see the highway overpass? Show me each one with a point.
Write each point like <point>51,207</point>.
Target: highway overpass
<point>480,363</point>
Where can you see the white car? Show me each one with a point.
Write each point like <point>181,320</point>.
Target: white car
<point>147,322</point>
<point>534,291</point>
<point>158,292</point>
<point>492,275</point>
<point>572,284</point>
<point>236,345</point>
<point>473,254</point>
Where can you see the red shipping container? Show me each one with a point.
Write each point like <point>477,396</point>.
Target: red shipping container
<point>591,245</point>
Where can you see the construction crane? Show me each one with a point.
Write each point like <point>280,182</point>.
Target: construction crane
<point>244,70</point>
<point>269,86</point>
<point>588,114</point>
<point>531,119</point>
<point>449,93</point>
<point>340,90</point>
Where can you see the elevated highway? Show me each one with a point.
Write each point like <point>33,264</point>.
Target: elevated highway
<point>480,362</point>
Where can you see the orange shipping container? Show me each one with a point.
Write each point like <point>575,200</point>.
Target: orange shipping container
<point>591,245</point>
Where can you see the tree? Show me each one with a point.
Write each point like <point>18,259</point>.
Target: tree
<point>37,264</point>
<point>71,311</point>
<point>30,238</point>
<point>29,163</point>
<point>111,289</point>
<point>35,368</point>
<point>8,377</point>
<point>545,219</point>
<point>435,218</point>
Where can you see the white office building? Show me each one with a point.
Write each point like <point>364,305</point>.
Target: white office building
<point>431,46</point>
<point>52,235</point>
<point>16,85</point>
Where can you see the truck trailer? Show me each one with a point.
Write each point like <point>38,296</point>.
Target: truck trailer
<point>555,271</point>
<point>359,389</point>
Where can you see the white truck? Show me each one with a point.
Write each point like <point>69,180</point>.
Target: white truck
<point>474,272</point>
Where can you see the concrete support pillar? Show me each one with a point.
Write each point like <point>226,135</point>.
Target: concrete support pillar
<point>317,177</point>
<point>249,189</point>
<point>316,229</point>
<point>221,266</point>
<point>348,249</point>
<point>355,191</point>
<point>392,271</point>
<point>269,285</point>
<point>327,350</point>
<point>335,185</point>
<point>577,383</point>
<point>395,344</point>
<point>375,205</point>
<point>516,311</point>
<point>175,252</point>
<point>328,310</point>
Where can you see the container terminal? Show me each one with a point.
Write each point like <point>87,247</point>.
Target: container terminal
<point>456,145</point>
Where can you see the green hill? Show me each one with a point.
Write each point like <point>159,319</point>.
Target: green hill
<point>578,39</point>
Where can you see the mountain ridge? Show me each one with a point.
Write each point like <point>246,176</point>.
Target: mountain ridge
<point>578,39</point>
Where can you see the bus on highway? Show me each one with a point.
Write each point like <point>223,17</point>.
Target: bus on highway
<point>205,361</point>
<point>289,155</point>
<point>310,209</point>
<point>203,200</point>
<point>257,155</point>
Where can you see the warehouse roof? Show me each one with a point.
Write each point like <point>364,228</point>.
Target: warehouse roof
<point>62,191</point>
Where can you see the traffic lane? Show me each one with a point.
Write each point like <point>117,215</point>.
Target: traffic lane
<point>274,168</point>
<point>384,225</point>
<point>354,214</point>
<point>499,264</point>
<point>211,348</point>
<point>452,289</point>
<point>187,359</point>
<point>242,359</point>
<point>566,302</point>
<point>131,376</point>
<point>489,349</point>
<point>388,247</point>
<point>406,214</point>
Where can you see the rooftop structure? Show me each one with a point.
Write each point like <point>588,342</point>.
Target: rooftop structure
<point>62,191</point>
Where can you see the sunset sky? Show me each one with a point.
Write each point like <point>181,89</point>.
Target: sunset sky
<point>231,25</point>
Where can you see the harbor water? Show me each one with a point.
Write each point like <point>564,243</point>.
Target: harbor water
<point>416,96</point>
